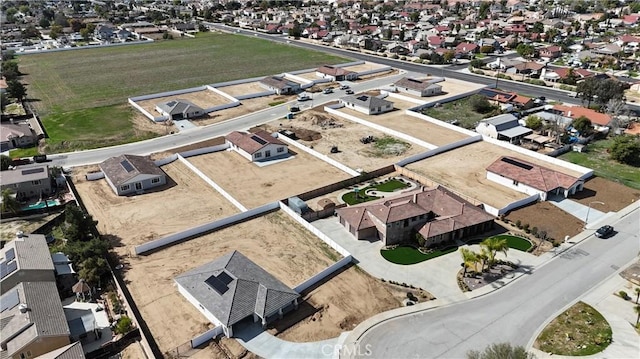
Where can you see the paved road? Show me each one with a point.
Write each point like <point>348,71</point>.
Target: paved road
<point>513,314</point>
<point>523,88</point>
<point>190,136</point>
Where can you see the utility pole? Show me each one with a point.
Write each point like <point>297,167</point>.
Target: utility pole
<point>498,73</point>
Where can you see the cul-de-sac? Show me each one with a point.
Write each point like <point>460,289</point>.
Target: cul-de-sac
<point>320,179</point>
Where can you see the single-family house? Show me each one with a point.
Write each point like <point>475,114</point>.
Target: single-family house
<point>16,136</point>
<point>369,105</point>
<point>507,100</point>
<point>179,109</point>
<point>128,174</point>
<point>466,49</point>
<point>550,52</point>
<point>104,32</point>
<point>280,85</point>
<point>532,179</point>
<point>503,127</point>
<point>419,87</point>
<point>28,183</point>
<point>122,34</point>
<point>336,73</point>
<point>33,322</point>
<point>436,214</point>
<point>25,259</point>
<point>257,147</point>
<point>398,49</point>
<point>233,288</point>
<point>597,119</point>
<point>529,68</point>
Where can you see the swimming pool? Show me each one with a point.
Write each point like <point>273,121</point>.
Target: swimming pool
<point>42,204</point>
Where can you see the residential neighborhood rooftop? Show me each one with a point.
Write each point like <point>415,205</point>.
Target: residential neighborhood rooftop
<point>536,176</point>
<point>125,167</point>
<point>252,142</point>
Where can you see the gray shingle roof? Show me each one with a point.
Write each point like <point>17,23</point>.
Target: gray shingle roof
<point>34,173</point>
<point>31,252</point>
<point>233,287</point>
<point>369,102</point>
<point>114,168</point>
<point>44,317</point>
<point>178,106</point>
<point>71,351</point>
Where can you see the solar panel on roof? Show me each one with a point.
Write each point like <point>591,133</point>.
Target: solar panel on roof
<point>363,98</point>
<point>10,255</point>
<point>217,285</point>
<point>258,139</point>
<point>30,171</point>
<point>3,269</point>
<point>517,163</point>
<point>225,278</point>
<point>7,268</point>
<point>9,300</point>
<point>127,165</point>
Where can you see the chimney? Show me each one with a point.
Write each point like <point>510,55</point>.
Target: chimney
<point>415,197</point>
<point>23,308</point>
<point>20,234</point>
<point>569,114</point>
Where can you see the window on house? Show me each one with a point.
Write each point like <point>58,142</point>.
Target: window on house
<point>280,149</point>
<point>155,180</point>
<point>36,182</point>
<point>124,188</point>
<point>258,155</point>
<point>406,223</point>
<point>267,153</point>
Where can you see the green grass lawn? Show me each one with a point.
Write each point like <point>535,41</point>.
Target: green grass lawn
<point>598,159</point>
<point>408,255</point>
<point>67,83</point>
<point>459,110</point>
<point>580,330</point>
<point>23,152</point>
<point>350,197</point>
<point>514,242</point>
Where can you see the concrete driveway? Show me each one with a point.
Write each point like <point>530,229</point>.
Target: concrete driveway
<point>578,210</point>
<point>437,276</point>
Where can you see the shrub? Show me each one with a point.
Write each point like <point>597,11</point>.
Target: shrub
<point>403,58</point>
<point>124,325</point>
<point>535,82</point>
<point>395,56</point>
<point>525,226</point>
<point>534,231</point>
<point>623,295</point>
<point>518,224</point>
<point>542,235</point>
<point>417,61</point>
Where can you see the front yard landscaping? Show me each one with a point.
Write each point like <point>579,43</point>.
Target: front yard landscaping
<point>514,242</point>
<point>597,158</point>
<point>409,255</point>
<point>580,330</point>
<point>360,196</point>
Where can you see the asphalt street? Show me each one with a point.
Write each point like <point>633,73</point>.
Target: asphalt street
<point>514,313</point>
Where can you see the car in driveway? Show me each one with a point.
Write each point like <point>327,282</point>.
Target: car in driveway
<point>604,231</point>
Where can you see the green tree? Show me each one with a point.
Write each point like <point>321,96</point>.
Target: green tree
<point>5,162</point>
<point>538,27</point>
<point>534,122</point>
<point>10,70</point>
<point>479,103</point>
<point>525,50</point>
<point>637,310</point>
<point>61,20</point>
<point>92,269</point>
<point>483,11</point>
<point>414,16</point>
<point>55,31</point>
<point>583,125</point>
<point>44,23</point>
<point>476,63</point>
<point>448,56</point>
<point>586,90</point>
<point>9,202</point>
<point>493,246</point>
<point>124,325</point>
<point>85,33</point>
<point>501,351</point>
<point>4,101</point>
<point>637,290</point>
<point>626,149</point>
<point>16,89</point>
<point>609,89</point>
<point>78,225</point>
<point>469,259</point>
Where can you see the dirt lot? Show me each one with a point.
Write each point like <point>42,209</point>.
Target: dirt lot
<point>548,217</point>
<point>242,89</point>
<point>339,304</point>
<point>346,135</point>
<point>281,246</point>
<point>203,99</point>
<point>137,219</point>
<point>133,351</point>
<point>464,169</point>
<point>450,87</point>
<point>261,185</point>
<point>367,66</point>
<point>311,75</point>
<point>614,195</point>
<point>246,107</point>
<point>9,227</point>
<point>397,120</point>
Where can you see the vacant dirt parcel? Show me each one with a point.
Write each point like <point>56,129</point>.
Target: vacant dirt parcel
<point>346,135</point>
<point>254,186</point>
<point>274,241</point>
<point>186,201</point>
<point>246,107</point>
<point>464,170</point>
<point>203,99</point>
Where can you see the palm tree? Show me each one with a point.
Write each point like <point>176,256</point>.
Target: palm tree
<point>469,258</point>
<point>9,202</point>
<point>637,310</point>
<point>483,257</point>
<point>637,294</point>
<point>494,245</point>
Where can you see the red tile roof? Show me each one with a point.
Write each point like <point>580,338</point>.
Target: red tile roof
<point>574,112</point>
<point>538,177</point>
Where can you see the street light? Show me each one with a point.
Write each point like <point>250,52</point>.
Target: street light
<point>586,220</point>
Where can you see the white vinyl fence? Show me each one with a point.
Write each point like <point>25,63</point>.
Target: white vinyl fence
<point>93,176</point>
<point>319,155</point>
<point>206,336</point>
<point>166,160</point>
<point>204,150</point>
<point>441,149</point>
<point>323,274</point>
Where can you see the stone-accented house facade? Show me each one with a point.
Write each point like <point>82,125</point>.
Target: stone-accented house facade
<point>436,214</point>
<point>233,288</point>
<point>128,174</point>
<point>257,147</point>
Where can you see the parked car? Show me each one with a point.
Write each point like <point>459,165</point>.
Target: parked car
<point>349,92</point>
<point>604,231</point>
<point>328,90</point>
<point>303,97</point>
<point>294,109</point>
<point>40,158</point>
<point>344,87</point>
